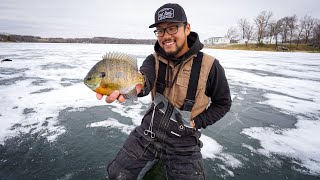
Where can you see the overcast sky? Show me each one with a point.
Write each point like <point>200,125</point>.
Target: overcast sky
<point>130,19</point>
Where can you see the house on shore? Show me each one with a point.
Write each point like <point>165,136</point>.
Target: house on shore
<point>216,41</point>
<point>226,41</point>
<point>265,40</point>
<point>245,41</point>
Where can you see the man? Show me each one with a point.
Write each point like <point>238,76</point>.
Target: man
<point>189,91</point>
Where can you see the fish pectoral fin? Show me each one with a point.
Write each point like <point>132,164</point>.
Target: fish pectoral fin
<point>131,95</point>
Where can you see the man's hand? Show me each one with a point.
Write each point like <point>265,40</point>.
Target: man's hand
<point>192,124</point>
<point>115,95</point>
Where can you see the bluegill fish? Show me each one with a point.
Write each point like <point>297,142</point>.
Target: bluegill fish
<point>116,71</point>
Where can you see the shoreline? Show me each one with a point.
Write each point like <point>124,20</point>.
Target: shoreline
<point>268,47</point>
<point>304,48</point>
<point>93,40</point>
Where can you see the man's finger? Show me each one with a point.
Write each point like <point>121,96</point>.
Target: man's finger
<point>99,96</point>
<point>113,96</point>
<point>138,88</point>
<point>121,99</point>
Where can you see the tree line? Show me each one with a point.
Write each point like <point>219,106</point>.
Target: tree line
<point>4,37</point>
<point>287,30</point>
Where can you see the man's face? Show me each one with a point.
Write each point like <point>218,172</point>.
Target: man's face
<point>174,44</point>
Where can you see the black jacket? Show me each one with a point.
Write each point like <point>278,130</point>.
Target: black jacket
<point>217,85</point>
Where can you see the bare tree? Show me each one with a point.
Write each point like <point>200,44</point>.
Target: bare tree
<point>300,28</point>
<point>292,26</point>
<point>262,21</point>
<point>285,28</point>
<point>270,30</point>
<point>248,33</point>
<point>243,25</point>
<point>232,33</point>
<point>316,34</point>
<point>246,30</point>
<point>308,26</point>
<point>275,29</point>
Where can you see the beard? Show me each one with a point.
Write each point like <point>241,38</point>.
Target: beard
<point>177,50</point>
<point>173,53</point>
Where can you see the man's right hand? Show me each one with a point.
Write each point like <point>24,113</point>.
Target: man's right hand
<point>115,95</point>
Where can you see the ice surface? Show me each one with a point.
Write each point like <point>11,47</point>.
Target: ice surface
<point>44,79</point>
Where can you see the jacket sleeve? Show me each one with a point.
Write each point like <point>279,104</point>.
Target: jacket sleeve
<point>219,92</point>
<point>148,71</point>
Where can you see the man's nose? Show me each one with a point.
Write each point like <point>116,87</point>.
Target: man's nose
<point>166,33</point>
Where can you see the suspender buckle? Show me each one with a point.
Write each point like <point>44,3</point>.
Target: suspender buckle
<point>188,105</point>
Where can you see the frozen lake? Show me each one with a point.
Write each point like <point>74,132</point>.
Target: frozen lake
<point>53,127</point>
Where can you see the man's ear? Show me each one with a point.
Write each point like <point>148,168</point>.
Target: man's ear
<point>188,29</point>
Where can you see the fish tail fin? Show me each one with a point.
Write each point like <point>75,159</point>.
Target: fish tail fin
<point>141,79</point>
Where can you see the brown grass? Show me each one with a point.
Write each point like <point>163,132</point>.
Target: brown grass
<point>269,47</point>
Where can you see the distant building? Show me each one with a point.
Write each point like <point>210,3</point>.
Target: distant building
<point>269,40</point>
<point>244,41</point>
<point>265,40</point>
<point>216,41</point>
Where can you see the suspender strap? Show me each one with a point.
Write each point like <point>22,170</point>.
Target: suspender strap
<point>193,83</point>
<point>161,84</point>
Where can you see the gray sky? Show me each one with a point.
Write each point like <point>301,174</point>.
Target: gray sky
<point>130,19</point>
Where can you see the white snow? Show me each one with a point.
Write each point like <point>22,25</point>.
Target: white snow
<point>290,83</point>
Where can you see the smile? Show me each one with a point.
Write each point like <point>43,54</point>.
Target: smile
<point>168,43</point>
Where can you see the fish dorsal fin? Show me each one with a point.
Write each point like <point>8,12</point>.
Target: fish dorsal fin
<point>121,56</point>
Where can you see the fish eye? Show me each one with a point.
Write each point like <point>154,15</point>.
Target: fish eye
<point>102,74</point>
<point>88,79</point>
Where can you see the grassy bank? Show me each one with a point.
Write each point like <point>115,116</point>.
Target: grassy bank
<point>269,47</point>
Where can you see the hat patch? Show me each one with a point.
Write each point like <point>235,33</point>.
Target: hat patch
<point>165,13</point>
